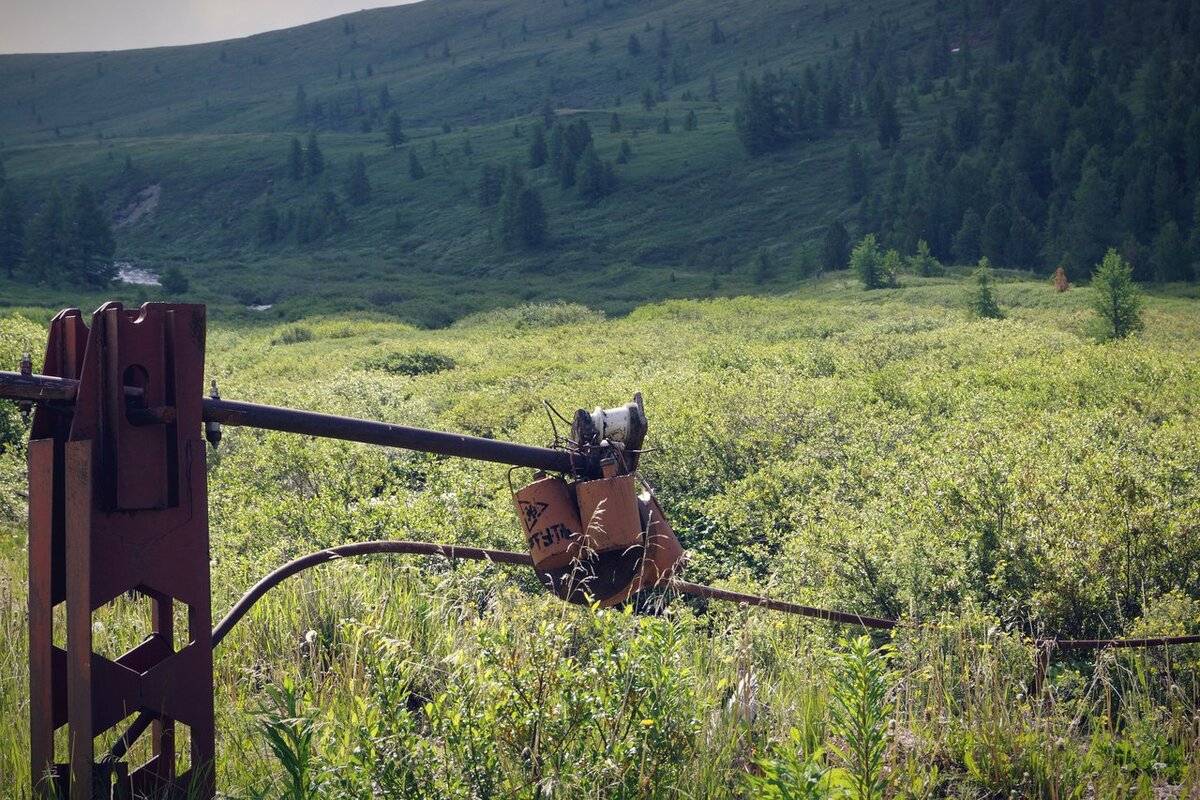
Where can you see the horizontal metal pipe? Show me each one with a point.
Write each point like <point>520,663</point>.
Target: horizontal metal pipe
<point>844,617</point>
<point>16,386</point>
<point>232,412</point>
<point>1101,644</point>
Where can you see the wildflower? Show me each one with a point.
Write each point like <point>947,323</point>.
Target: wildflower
<point>647,723</point>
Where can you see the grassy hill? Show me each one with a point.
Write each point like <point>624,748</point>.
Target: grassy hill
<point>187,147</point>
<point>208,127</point>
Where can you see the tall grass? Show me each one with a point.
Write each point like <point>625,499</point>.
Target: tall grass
<point>883,454</point>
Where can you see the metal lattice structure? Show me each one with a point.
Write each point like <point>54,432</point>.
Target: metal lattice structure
<point>118,504</point>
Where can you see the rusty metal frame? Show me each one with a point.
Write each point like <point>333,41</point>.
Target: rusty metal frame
<point>118,504</point>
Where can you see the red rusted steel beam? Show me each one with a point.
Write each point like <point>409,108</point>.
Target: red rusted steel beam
<point>118,503</point>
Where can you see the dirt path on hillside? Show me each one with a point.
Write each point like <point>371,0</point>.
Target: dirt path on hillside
<point>141,206</point>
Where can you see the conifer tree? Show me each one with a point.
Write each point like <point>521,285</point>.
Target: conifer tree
<point>491,185</point>
<point>531,218</point>
<point>12,232</point>
<point>314,161</point>
<point>395,131</point>
<point>296,160</point>
<point>764,267</point>
<point>968,238</point>
<point>1171,259</point>
<point>89,242</point>
<point>982,302</point>
<point>592,177</point>
<point>635,45</point>
<point>715,34</point>
<point>856,173</point>
<point>47,239</point>
<point>889,124</point>
<point>1116,299</point>
<point>1091,229</point>
<point>758,117</point>
<point>924,263</point>
<point>174,283</point>
<point>301,106</point>
<point>664,42</point>
<point>415,170</point>
<point>835,247</point>
<point>867,263</point>
<point>994,236</point>
<point>267,223</point>
<point>625,152</point>
<point>358,186</point>
<point>537,147</point>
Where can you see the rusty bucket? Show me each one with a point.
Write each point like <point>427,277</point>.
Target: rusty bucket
<point>551,521</point>
<point>663,550</point>
<point>608,509</point>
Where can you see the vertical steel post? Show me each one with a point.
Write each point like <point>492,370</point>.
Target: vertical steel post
<point>118,504</point>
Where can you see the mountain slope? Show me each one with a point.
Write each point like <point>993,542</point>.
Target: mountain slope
<point>1036,134</point>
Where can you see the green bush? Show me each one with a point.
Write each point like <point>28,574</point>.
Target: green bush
<point>412,363</point>
<point>293,334</point>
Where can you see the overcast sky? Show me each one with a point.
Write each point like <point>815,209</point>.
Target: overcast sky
<point>52,26</point>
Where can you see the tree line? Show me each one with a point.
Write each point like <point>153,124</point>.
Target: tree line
<point>69,241</point>
<point>1076,130</point>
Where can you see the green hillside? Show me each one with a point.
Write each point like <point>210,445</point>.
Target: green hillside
<point>1037,134</point>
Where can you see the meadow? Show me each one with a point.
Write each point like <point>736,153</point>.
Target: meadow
<point>879,452</point>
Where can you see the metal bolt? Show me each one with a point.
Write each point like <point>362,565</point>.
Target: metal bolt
<point>212,429</point>
<point>25,406</point>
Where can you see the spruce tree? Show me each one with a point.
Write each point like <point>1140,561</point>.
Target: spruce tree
<point>758,117</point>
<point>994,236</point>
<point>415,170</point>
<point>90,243</point>
<point>296,161</point>
<point>174,283</point>
<point>1092,226</point>
<point>981,302</point>
<point>923,263</point>
<point>47,240</point>
<point>1172,261</point>
<point>764,267</point>
<point>358,186</point>
<point>889,124</point>
<point>867,263</point>
<point>12,232</point>
<point>537,147</point>
<point>835,247</point>
<point>531,218</point>
<point>967,240</point>
<point>395,135</point>
<point>592,183</point>
<point>715,34</point>
<point>1116,298</point>
<point>314,161</point>
<point>856,173</point>
<point>491,185</point>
